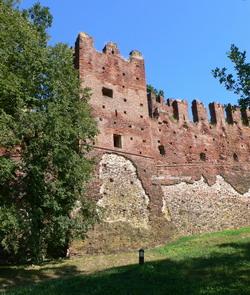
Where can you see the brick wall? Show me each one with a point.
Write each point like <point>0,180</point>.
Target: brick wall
<point>166,146</point>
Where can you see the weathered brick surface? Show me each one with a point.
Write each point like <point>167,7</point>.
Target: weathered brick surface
<point>194,148</point>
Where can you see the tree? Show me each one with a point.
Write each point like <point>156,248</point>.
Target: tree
<point>152,89</point>
<point>43,168</point>
<point>239,83</point>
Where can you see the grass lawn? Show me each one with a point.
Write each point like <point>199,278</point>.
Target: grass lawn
<point>217,263</point>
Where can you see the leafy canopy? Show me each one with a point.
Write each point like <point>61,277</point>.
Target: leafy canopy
<point>43,168</point>
<point>152,89</point>
<point>239,82</point>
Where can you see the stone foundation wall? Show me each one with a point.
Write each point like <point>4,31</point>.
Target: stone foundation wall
<point>198,207</point>
<point>138,212</point>
<point>123,197</point>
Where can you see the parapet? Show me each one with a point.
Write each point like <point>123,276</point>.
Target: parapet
<point>220,115</point>
<point>110,67</point>
<point>111,48</point>
<point>217,113</point>
<point>199,112</point>
<point>84,38</point>
<point>135,54</point>
<point>180,110</point>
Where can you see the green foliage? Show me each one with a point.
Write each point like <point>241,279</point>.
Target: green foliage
<point>240,82</point>
<point>41,113</point>
<point>157,92</point>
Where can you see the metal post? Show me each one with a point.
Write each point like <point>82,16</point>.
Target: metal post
<point>141,256</point>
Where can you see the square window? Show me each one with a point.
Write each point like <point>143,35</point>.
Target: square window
<point>107,92</point>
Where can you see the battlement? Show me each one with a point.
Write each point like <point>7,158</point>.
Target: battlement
<point>84,41</point>
<point>217,114</point>
<point>132,121</point>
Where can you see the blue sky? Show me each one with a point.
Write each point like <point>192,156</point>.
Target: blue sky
<point>181,40</point>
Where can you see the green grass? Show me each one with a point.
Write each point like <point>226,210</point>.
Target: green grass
<point>216,263</point>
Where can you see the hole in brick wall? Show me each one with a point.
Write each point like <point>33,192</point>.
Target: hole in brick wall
<point>159,141</point>
<point>235,156</point>
<point>103,68</point>
<point>117,138</point>
<point>190,146</point>
<point>114,122</point>
<point>159,130</point>
<point>124,99</point>
<point>124,112</point>
<point>103,106</point>
<point>107,92</point>
<point>141,116</point>
<point>195,136</point>
<point>171,143</point>
<point>123,74</point>
<point>203,157</point>
<point>111,180</point>
<point>100,119</point>
<point>205,150</point>
<point>213,139</point>
<point>144,170</point>
<point>162,150</point>
<point>104,165</point>
<point>130,126</point>
<point>123,86</point>
<point>125,168</point>
<point>142,129</point>
<point>116,113</point>
<point>141,104</point>
<point>137,78</point>
<point>174,132</point>
<point>140,153</point>
<point>131,182</point>
<point>112,51</point>
<point>222,157</point>
<point>137,66</point>
<point>144,140</point>
<point>158,98</point>
<point>131,138</point>
<point>159,123</point>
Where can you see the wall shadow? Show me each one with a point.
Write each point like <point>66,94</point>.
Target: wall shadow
<point>220,273</point>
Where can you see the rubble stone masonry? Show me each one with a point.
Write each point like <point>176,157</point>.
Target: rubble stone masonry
<point>159,174</point>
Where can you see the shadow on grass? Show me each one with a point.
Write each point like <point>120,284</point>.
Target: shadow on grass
<point>219,273</point>
<point>18,276</point>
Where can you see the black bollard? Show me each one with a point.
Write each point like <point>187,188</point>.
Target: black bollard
<point>141,256</point>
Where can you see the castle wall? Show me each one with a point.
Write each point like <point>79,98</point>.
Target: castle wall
<point>159,173</point>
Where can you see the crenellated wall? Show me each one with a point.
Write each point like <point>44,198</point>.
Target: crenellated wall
<point>160,173</point>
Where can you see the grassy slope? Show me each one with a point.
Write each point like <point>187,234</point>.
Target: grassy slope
<point>217,263</point>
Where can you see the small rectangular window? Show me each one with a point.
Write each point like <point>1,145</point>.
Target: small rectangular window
<point>107,92</point>
<point>117,140</point>
<point>162,150</point>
